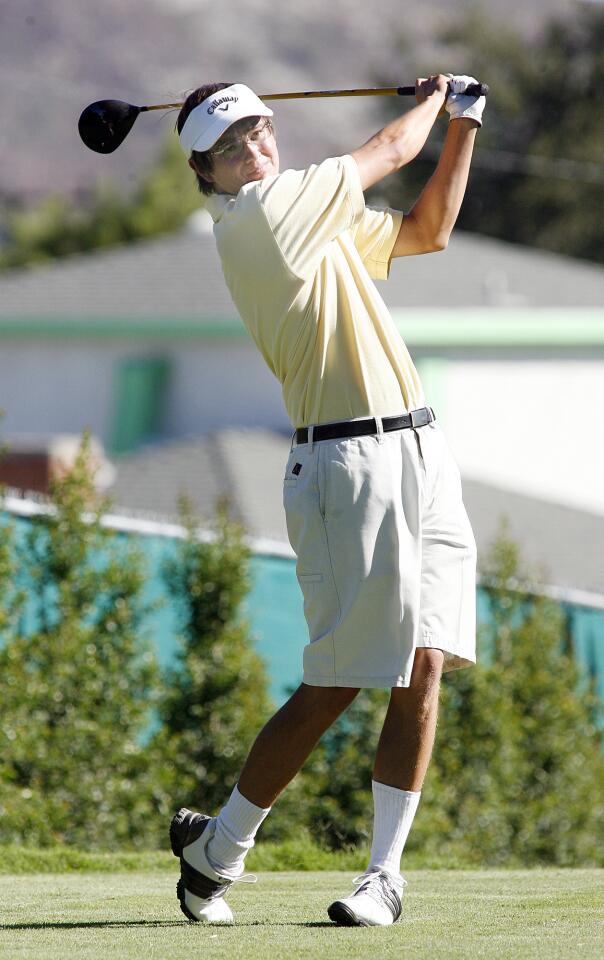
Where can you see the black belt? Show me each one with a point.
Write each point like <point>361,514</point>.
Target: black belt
<point>361,428</point>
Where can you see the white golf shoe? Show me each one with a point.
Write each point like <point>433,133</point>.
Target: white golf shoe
<point>375,903</point>
<point>201,889</point>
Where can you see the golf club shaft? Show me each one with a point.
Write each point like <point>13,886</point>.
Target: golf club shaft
<point>309,94</point>
<point>366,92</point>
<point>482,89</point>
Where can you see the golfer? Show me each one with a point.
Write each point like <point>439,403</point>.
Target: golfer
<point>385,553</point>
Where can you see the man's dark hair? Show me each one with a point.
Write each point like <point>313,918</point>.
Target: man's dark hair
<point>203,159</point>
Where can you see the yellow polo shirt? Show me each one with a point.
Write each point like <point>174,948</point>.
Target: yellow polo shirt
<point>298,252</point>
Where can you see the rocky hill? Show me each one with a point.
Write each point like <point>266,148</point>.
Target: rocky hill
<point>55,58</point>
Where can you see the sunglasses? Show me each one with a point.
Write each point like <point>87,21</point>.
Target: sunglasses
<point>234,149</point>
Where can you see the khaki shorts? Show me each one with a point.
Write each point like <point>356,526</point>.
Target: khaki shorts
<point>386,556</point>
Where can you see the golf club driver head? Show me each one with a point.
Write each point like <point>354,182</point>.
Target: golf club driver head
<point>105,124</point>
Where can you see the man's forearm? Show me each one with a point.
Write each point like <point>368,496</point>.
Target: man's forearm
<point>438,206</point>
<point>397,143</point>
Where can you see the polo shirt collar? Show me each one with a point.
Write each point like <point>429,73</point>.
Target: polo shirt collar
<point>216,205</point>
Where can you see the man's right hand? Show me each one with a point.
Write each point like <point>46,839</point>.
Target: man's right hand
<point>436,86</point>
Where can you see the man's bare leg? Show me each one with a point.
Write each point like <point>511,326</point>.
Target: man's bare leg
<point>277,754</point>
<point>401,763</point>
<point>210,862</point>
<point>407,737</point>
<point>404,748</point>
<point>288,738</point>
<point>402,759</point>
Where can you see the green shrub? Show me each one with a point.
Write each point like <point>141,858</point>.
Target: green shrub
<point>215,697</point>
<point>59,226</point>
<point>76,687</point>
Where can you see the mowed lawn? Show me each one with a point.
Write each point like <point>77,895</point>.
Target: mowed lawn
<point>447,914</point>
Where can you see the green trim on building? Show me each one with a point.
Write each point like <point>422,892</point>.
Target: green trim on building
<point>432,373</point>
<point>121,328</point>
<point>426,327</point>
<point>500,326</point>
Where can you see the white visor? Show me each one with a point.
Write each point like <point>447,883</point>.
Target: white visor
<point>208,121</point>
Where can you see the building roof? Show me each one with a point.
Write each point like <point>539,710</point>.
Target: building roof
<point>560,544</point>
<point>178,277</point>
<point>563,546</point>
<point>243,466</point>
<point>170,276</point>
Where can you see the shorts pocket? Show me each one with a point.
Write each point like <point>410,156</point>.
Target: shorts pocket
<point>319,603</point>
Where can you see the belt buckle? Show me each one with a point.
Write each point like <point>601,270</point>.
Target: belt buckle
<point>414,419</point>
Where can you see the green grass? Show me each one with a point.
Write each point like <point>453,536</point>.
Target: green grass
<point>508,915</point>
<point>300,854</point>
<point>294,855</point>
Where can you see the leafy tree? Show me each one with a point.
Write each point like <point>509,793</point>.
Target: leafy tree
<point>76,687</point>
<point>215,696</point>
<point>12,599</point>
<point>544,109</point>
<point>58,225</point>
<point>518,771</point>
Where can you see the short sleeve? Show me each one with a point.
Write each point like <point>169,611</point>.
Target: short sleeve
<point>307,209</point>
<point>374,237</point>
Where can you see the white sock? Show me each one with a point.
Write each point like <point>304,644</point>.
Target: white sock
<point>394,811</point>
<point>236,826</point>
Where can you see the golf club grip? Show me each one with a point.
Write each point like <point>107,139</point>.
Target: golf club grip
<point>472,90</point>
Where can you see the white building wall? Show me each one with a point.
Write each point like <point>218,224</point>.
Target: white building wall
<point>64,387</point>
<point>222,384</point>
<point>534,426</point>
<point>56,387</point>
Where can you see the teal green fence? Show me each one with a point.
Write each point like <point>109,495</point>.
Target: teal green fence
<point>274,611</point>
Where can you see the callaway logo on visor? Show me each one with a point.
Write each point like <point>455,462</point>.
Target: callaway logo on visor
<point>208,121</point>
<point>216,105</point>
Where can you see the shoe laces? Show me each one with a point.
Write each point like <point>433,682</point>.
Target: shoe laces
<point>228,878</point>
<point>227,881</point>
<point>245,878</point>
<point>377,884</point>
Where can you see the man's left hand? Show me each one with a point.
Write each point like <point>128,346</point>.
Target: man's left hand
<point>458,105</point>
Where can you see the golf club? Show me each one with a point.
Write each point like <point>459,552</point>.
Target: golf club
<point>105,124</point>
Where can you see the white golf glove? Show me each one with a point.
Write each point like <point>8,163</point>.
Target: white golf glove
<point>458,105</point>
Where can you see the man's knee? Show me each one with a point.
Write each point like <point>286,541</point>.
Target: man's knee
<point>422,693</point>
<point>336,696</point>
<point>427,667</point>
<point>325,700</point>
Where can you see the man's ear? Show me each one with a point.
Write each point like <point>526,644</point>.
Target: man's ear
<point>206,176</point>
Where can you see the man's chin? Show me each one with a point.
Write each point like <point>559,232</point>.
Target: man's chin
<point>261,174</point>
